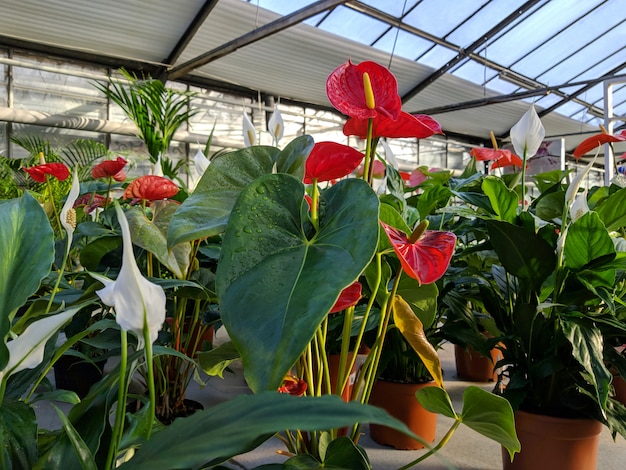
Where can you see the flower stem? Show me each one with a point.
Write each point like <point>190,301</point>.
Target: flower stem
<point>118,427</point>
<point>444,440</point>
<point>150,367</point>
<point>368,162</point>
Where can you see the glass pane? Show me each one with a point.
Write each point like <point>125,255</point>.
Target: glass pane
<point>353,25</point>
<point>431,17</point>
<point>502,86</point>
<point>474,72</point>
<point>282,7</point>
<point>407,45</point>
<point>598,68</point>
<point>437,56</point>
<point>533,30</point>
<point>432,153</point>
<point>393,7</point>
<point>487,17</point>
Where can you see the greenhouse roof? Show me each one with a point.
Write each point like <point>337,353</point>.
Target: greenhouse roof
<point>473,65</point>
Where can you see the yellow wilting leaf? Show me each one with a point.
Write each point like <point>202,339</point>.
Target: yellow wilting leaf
<point>413,331</point>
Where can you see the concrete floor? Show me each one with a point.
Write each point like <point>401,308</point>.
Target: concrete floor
<point>466,450</point>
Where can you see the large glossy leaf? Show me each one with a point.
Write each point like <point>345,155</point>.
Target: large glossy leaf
<point>586,240</point>
<point>522,253</point>
<point>587,345</point>
<point>216,434</point>
<point>413,331</point>
<point>205,212</point>
<point>422,299</point>
<point>491,416</point>
<point>277,279</point>
<point>27,252</point>
<point>504,201</point>
<point>291,159</point>
<point>151,236</point>
<point>612,210</point>
<point>18,435</point>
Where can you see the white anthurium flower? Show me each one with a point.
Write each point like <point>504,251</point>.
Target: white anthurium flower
<point>68,214</point>
<point>158,168</point>
<point>26,351</point>
<point>579,206</point>
<point>527,134</point>
<point>136,300</point>
<point>571,192</point>
<point>389,156</point>
<point>276,126</point>
<point>619,243</point>
<point>201,162</point>
<point>249,134</point>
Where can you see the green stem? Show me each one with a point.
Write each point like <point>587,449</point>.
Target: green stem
<point>524,181</point>
<point>433,450</point>
<point>150,367</point>
<point>118,427</point>
<point>54,208</point>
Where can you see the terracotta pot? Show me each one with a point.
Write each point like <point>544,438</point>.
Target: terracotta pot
<point>548,442</point>
<point>333,366</point>
<point>473,367</point>
<point>399,401</point>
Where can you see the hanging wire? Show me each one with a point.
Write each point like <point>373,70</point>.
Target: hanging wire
<point>395,40</point>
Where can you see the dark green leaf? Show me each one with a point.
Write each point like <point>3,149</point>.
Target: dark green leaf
<point>522,253</point>
<point>436,400</point>
<point>205,213</point>
<point>276,280</point>
<point>491,416</point>
<point>216,434</point>
<point>27,252</point>
<point>215,361</point>
<point>291,159</point>
<point>586,240</point>
<point>18,435</point>
<point>612,210</point>
<point>587,344</point>
<point>503,200</point>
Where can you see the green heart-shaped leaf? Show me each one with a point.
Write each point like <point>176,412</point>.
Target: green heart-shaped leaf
<point>586,240</point>
<point>277,278</point>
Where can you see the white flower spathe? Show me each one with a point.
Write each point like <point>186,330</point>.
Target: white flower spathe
<point>249,134</point>
<point>26,351</point>
<point>527,134</point>
<point>276,126</point>
<point>579,206</point>
<point>137,301</point>
<point>69,204</point>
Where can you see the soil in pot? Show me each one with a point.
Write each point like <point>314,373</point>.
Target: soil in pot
<point>554,443</point>
<point>398,399</point>
<point>471,366</point>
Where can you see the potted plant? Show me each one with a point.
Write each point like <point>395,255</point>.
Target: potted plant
<point>552,293</point>
<point>296,244</point>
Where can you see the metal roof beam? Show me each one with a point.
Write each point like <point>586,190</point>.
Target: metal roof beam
<point>511,97</point>
<point>189,33</point>
<point>590,84</point>
<point>253,36</point>
<point>465,52</point>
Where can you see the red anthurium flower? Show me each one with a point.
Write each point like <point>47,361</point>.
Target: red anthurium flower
<point>293,386</point>
<point>39,172</point>
<point>346,90</point>
<point>594,141</point>
<point>425,259</point>
<point>348,297</point>
<point>110,169</point>
<point>500,157</point>
<point>417,177</point>
<point>150,188</point>
<point>377,172</point>
<point>330,160</point>
<point>407,125</point>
